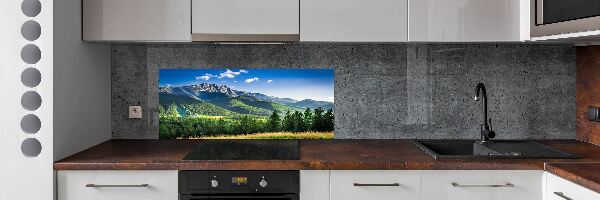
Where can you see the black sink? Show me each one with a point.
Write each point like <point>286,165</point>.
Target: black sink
<point>471,149</point>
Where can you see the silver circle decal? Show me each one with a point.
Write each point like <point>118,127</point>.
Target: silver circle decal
<point>31,77</point>
<point>31,100</point>
<point>31,124</point>
<point>31,30</point>
<point>31,54</point>
<point>31,8</point>
<point>31,147</point>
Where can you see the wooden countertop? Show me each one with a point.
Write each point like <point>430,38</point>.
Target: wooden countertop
<point>331,155</point>
<point>584,174</point>
<point>314,154</point>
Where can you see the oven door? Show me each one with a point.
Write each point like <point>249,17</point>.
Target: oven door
<point>552,17</point>
<point>244,197</point>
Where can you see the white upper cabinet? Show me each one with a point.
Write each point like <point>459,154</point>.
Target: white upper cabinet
<point>245,20</point>
<point>353,20</point>
<point>136,20</point>
<point>468,20</point>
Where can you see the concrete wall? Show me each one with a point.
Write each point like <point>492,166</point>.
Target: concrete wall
<point>382,90</point>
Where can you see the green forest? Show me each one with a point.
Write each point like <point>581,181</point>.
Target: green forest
<point>217,122</point>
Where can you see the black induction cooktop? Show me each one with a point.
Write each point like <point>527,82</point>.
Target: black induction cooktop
<point>245,150</point>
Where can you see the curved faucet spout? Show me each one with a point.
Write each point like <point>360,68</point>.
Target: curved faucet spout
<point>481,88</point>
<point>480,94</point>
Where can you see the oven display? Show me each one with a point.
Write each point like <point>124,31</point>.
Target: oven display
<point>239,181</point>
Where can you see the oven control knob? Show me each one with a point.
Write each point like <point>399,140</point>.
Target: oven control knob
<point>214,183</point>
<point>263,183</point>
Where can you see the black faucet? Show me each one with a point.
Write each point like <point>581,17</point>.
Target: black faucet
<point>486,129</point>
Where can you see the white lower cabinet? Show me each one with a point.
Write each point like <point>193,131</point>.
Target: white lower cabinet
<point>435,185</point>
<point>482,185</point>
<point>117,185</point>
<point>314,185</point>
<point>341,185</point>
<point>375,185</point>
<point>560,189</point>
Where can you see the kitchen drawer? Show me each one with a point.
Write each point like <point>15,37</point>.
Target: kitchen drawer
<point>314,184</point>
<point>560,189</point>
<point>162,185</point>
<point>375,185</point>
<point>482,185</point>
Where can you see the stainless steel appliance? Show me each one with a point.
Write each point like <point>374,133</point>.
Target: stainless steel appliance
<point>553,17</point>
<point>233,185</point>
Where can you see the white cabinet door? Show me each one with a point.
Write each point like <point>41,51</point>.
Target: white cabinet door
<point>245,17</point>
<point>560,189</point>
<point>136,20</point>
<point>314,185</point>
<point>375,185</point>
<point>117,185</point>
<point>353,20</point>
<point>468,20</point>
<point>482,185</point>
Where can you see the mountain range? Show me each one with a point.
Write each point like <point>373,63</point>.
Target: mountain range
<point>221,100</point>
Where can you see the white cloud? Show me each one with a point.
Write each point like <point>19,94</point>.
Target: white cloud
<point>269,81</point>
<point>250,80</point>
<point>205,77</point>
<point>168,85</point>
<point>231,74</point>
<point>235,81</point>
<point>243,71</point>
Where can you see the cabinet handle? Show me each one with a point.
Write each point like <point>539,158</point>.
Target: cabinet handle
<point>499,185</point>
<point>114,186</point>
<point>560,194</point>
<point>376,184</point>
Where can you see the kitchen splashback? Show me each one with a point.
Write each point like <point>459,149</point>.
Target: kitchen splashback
<point>381,90</point>
<point>247,103</point>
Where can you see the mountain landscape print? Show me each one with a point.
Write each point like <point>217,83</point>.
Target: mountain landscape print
<point>246,103</point>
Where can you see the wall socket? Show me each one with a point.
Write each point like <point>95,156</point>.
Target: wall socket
<point>135,112</point>
<point>593,114</point>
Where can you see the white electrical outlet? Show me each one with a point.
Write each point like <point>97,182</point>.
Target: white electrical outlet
<point>135,112</point>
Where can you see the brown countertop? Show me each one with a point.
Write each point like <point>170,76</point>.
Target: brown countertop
<point>314,154</point>
<point>584,174</point>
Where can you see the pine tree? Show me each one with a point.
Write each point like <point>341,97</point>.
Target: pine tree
<point>298,121</point>
<point>308,119</point>
<point>161,111</point>
<point>245,125</point>
<point>318,120</point>
<point>274,124</point>
<point>288,123</point>
<point>172,111</point>
<point>329,120</point>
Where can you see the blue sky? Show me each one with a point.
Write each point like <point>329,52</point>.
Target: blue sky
<point>299,84</point>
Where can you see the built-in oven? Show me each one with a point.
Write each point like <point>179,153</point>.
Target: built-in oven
<point>553,17</point>
<point>235,185</point>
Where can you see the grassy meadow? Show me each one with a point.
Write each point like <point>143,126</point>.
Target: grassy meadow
<point>275,135</point>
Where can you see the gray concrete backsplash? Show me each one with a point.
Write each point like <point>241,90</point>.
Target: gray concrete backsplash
<point>382,90</point>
